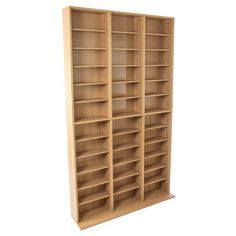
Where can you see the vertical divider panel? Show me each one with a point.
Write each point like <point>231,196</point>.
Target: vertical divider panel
<point>143,102</point>
<point>70,113</point>
<point>109,68</point>
<point>170,75</point>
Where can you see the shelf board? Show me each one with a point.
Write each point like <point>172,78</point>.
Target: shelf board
<point>91,168</point>
<point>93,197</point>
<point>93,152</point>
<point>126,65</point>
<point>125,131</point>
<point>156,80</point>
<point>89,100</point>
<point>90,137</point>
<point>157,34</point>
<point>124,146</point>
<point>155,140</point>
<point>154,153</point>
<point>125,188</point>
<point>125,81</point>
<point>92,183</point>
<point>153,179</point>
<point>125,97</point>
<point>125,32</point>
<point>123,114</point>
<point>125,174</point>
<point>157,65</point>
<point>87,48</point>
<point>90,66</point>
<point>92,119</point>
<point>89,30</point>
<point>156,94</point>
<point>90,83</point>
<point>124,160</point>
<point>155,126</point>
<point>126,49</point>
<point>157,50</point>
<point>157,111</point>
<point>156,166</point>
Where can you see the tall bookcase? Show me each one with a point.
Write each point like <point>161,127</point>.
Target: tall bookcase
<point>119,70</point>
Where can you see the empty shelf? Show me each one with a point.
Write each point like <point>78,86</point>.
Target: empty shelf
<point>123,146</point>
<point>157,80</point>
<point>93,197</point>
<point>125,97</point>
<point>126,65</point>
<point>124,203</point>
<point>90,83</point>
<point>126,49</point>
<point>154,153</point>
<point>155,140</point>
<point>125,188</point>
<point>91,119</point>
<point>89,100</point>
<point>124,160</point>
<point>153,179</point>
<point>157,65</point>
<point>125,131</point>
<point>89,30</point>
<point>125,81</point>
<point>156,95</point>
<point>92,183</point>
<point>157,111</point>
<point>125,114</point>
<point>124,32</point>
<point>155,126</point>
<point>157,34</point>
<point>91,168</point>
<point>157,50</point>
<point>85,48</point>
<point>90,66</point>
<point>92,152</point>
<point>155,166</point>
<point>90,137</point>
<point>125,174</point>
<point>87,215</point>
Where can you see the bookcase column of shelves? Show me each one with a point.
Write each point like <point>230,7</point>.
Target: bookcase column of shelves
<point>119,102</point>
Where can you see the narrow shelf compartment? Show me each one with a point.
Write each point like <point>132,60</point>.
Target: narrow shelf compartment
<point>154,153</point>
<point>92,152</point>
<point>155,140</point>
<point>126,65</point>
<point>124,160</point>
<point>89,100</point>
<point>155,166</point>
<point>157,111</point>
<point>126,49</point>
<point>91,168</point>
<point>93,197</point>
<point>125,32</point>
<point>157,50</point>
<point>157,34</point>
<point>125,97</point>
<point>82,138</point>
<point>90,83</point>
<point>156,94</point>
<point>157,65</point>
<point>88,48</point>
<point>125,114</point>
<point>155,126</point>
<point>125,81</point>
<point>92,183</point>
<point>125,146</point>
<point>92,119</point>
<point>125,188</point>
<point>125,131</point>
<point>125,174</point>
<point>156,80</point>
<point>153,179</point>
<point>90,66</point>
<point>89,30</point>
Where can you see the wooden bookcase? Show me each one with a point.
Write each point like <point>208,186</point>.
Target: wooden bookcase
<point>119,70</point>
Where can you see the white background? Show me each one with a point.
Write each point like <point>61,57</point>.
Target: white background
<point>34,197</point>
